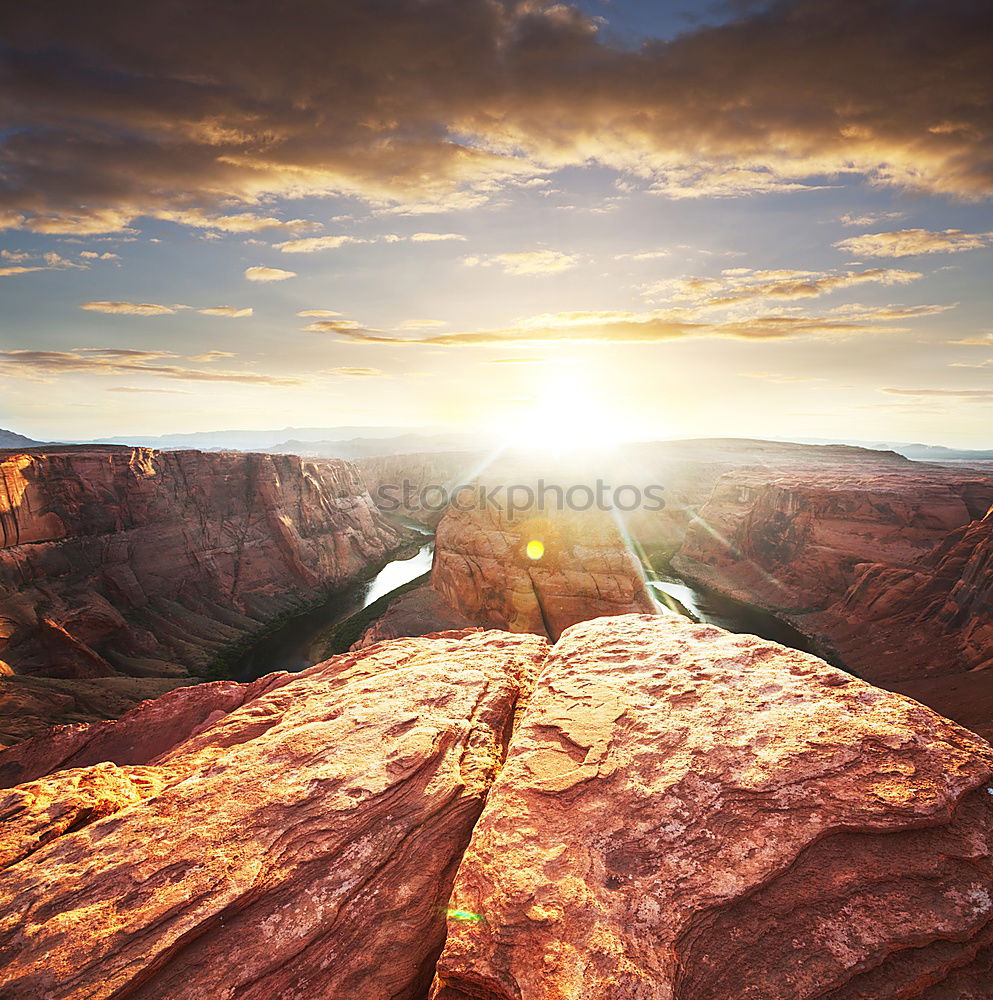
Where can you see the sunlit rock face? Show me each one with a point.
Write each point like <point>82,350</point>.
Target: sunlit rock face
<point>300,840</point>
<point>536,572</point>
<point>690,814</point>
<point>888,567</point>
<point>128,563</point>
<point>791,539</point>
<point>653,809</point>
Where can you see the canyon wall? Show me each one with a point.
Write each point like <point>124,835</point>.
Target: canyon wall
<point>654,809</point>
<point>791,540</point>
<point>890,568</point>
<point>578,568</point>
<point>130,563</point>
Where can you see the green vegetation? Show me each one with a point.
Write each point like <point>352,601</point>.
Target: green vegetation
<point>340,637</point>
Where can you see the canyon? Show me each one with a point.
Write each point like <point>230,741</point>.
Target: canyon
<point>880,563</point>
<point>124,572</point>
<point>650,808</point>
<point>526,780</point>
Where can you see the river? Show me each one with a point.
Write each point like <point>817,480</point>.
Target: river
<point>302,640</point>
<point>712,608</point>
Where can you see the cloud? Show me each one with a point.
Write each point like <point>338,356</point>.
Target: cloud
<point>422,324</point>
<point>26,262</point>
<point>111,361</point>
<point>355,372</point>
<point>8,272</point>
<point>435,237</point>
<point>740,285</point>
<point>93,255</point>
<point>129,308</point>
<point>413,106</point>
<point>911,242</point>
<point>318,312</point>
<point>259,273</point>
<point>949,393</point>
<point>978,340</point>
<point>131,388</point>
<point>211,356</point>
<point>643,255</point>
<point>868,218</point>
<point>333,326</point>
<point>241,222</point>
<point>232,312</point>
<point>649,326</point>
<point>314,244</point>
<point>528,262</point>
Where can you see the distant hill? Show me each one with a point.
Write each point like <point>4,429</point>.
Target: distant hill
<point>915,452</point>
<point>253,440</point>
<point>10,439</point>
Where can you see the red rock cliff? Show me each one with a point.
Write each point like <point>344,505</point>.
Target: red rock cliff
<point>133,562</point>
<point>791,541</point>
<point>683,813</point>
<point>582,570</point>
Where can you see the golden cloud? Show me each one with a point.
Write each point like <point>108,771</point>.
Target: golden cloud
<point>606,326</point>
<point>911,242</point>
<point>313,244</point>
<point>742,284</point>
<point>129,308</point>
<point>461,98</point>
<point>435,237</point>
<point>259,273</point>
<point>109,361</point>
<point>231,312</point>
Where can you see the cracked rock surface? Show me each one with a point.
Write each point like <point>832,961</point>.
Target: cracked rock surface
<point>303,844</point>
<point>654,810</point>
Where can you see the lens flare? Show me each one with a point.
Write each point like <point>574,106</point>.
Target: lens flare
<point>535,549</point>
<point>466,916</point>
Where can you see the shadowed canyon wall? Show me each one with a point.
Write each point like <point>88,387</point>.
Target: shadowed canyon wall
<point>129,563</point>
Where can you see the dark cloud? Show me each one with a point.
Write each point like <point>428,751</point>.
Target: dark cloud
<point>199,112</point>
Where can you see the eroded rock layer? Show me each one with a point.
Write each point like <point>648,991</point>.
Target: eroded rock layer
<point>537,572</point>
<point>120,561</point>
<point>690,814</point>
<point>299,839</point>
<point>792,540</point>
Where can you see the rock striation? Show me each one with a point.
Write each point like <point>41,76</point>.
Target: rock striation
<point>654,809</point>
<point>298,838</point>
<point>792,540</point>
<point>121,562</point>
<point>578,568</point>
<point>690,814</point>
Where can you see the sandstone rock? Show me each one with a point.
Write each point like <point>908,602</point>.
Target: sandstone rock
<point>120,561</point>
<point>791,540</point>
<point>584,570</point>
<point>418,612</point>
<point>302,844</point>
<point>690,814</point>
<point>30,705</point>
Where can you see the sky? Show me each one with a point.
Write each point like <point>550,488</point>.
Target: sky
<point>541,220</point>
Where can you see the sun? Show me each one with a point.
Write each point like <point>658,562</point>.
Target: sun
<point>565,415</point>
